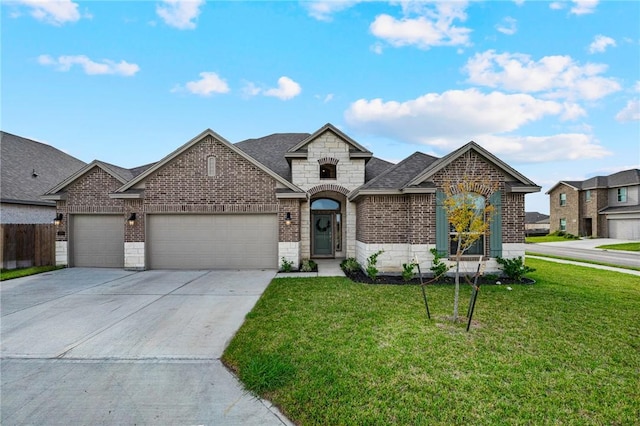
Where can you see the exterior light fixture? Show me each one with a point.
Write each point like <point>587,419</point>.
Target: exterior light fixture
<point>58,219</point>
<point>287,219</point>
<point>132,219</point>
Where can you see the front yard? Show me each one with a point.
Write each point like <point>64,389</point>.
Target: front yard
<point>565,350</point>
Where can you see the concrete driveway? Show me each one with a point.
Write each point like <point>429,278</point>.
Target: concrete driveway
<point>104,346</point>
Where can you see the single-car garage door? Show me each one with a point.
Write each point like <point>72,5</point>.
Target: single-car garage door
<point>97,241</point>
<point>221,241</point>
<point>624,229</point>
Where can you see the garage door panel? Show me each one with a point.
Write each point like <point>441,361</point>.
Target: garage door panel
<point>97,241</point>
<point>624,229</point>
<point>212,241</point>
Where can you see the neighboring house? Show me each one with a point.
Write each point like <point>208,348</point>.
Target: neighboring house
<point>212,204</point>
<point>536,223</point>
<point>28,169</point>
<point>602,206</point>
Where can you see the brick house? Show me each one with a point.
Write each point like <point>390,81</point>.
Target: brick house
<point>601,206</point>
<point>212,204</point>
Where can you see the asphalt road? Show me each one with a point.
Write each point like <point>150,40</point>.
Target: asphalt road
<point>612,257</point>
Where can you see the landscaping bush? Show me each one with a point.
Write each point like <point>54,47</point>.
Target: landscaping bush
<point>350,265</point>
<point>514,268</point>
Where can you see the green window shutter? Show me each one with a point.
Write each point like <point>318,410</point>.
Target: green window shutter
<point>495,238</point>
<point>442,225</point>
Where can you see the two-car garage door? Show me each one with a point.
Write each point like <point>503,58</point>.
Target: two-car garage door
<point>221,241</point>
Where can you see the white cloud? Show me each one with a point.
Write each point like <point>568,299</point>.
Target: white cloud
<point>56,12</point>
<point>326,98</point>
<point>553,76</point>
<point>636,87</point>
<point>444,119</point>
<point>508,26</point>
<point>64,63</point>
<point>579,7</point>
<point>287,89</point>
<point>323,10</point>
<point>433,27</point>
<point>180,13</point>
<point>537,149</point>
<point>631,112</point>
<point>583,7</point>
<point>208,84</point>
<point>600,44</point>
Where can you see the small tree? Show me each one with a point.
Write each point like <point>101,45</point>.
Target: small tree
<point>469,216</point>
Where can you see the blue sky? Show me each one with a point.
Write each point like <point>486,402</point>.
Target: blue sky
<point>552,88</point>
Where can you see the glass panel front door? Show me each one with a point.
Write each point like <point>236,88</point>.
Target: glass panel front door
<point>323,234</point>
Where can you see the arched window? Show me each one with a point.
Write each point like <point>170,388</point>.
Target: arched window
<point>478,203</point>
<point>325,204</point>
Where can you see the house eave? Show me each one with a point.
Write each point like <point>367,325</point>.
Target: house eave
<point>292,195</point>
<point>524,189</point>
<point>357,194</point>
<point>27,202</point>
<point>55,197</point>
<point>419,191</point>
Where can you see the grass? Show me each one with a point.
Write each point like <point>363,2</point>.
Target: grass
<point>591,262</point>
<point>565,350</point>
<point>635,246</point>
<point>9,274</point>
<point>551,238</point>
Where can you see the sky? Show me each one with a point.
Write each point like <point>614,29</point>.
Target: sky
<point>551,88</point>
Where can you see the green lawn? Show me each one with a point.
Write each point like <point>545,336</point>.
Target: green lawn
<point>545,239</point>
<point>635,246</point>
<point>8,274</point>
<point>565,350</point>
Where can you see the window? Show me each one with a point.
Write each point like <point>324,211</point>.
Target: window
<point>563,199</point>
<point>587,195</point>
<point>211,166</point>
<point>563,224</point>
<point>622,195</point>
<point>328,171</point>
<point>477,248</point>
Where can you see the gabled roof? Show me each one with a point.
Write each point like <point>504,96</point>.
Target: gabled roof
<point>357,150</point>
<point>624,178</point>
<point>119,173</point>
<point>29,168</point>
<point>535,217</point>
<point>526,185</point>
<point>396,177</point>
<point>412,174</point>
<point>128,185</point>
<point>270,150</point>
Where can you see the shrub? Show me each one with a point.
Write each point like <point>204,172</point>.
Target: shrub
<point>514,268</point>
<point>350,265</point>
<point>438,267</point>
<point>407,270</point>
<point>307,265</point>
<point>372,261</point>
<point>286,265</point>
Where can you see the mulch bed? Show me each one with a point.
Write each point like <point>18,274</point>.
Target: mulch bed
<point>360,277</point>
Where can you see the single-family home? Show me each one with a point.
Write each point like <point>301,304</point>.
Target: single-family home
<point>213,204</point>
<point>601,206</point>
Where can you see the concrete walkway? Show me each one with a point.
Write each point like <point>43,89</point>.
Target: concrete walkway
<point>105,346</point>
<point>588,265</point>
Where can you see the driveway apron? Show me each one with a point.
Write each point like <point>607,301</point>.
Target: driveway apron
<point>105,346</point>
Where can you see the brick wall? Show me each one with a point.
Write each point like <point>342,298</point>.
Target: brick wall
<point>383,219</point>
<point>185,179</point>
<point>412,218</point>
<point>89,194</point>
<point>289,233</point>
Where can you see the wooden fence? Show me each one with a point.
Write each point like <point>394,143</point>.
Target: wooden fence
<point>27,245</point>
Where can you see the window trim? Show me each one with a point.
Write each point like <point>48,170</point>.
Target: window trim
<point>481,242</point>
<point>212,168</point>
<point>563,224</point>
<point>622,195</point>
<point>587,195</point>
<point>563,199</point>
<point>332,171</point>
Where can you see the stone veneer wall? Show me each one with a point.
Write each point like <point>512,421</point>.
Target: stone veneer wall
<point>305,173</point>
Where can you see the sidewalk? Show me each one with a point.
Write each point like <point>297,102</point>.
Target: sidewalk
<point>588,265</point>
